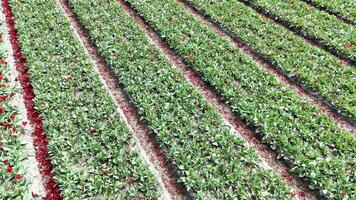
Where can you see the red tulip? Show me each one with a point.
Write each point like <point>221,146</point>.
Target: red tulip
<point>17,176</point>
<point>7,126</point>
<point>12,116</point>
<point>2,98</point>
<point>9,169</point>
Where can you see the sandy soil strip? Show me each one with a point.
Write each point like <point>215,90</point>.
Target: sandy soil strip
<point>30,163</point>
<point>237,126</point>
<point>146,143</point>
<point>38,139</point>
<point>292,83</point>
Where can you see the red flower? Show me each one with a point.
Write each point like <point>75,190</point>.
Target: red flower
<point>1,110</point>
<point>24,123</point>
<point>9,169</point>
<point>4,161</point>
<point>2,98</point>
<point>12,116</point>
<point>14,129</point>
<point>7,126</point>
<point>17,176</point>
<point>342,62</point>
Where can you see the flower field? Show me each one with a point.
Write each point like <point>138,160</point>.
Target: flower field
<point>177,99</point>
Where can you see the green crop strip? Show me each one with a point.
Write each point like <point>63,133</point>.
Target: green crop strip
<point>344,8</point>
<point>313,67</point>
<point>312,23</point>
<point>303,136</point>
<point>212,162</point>
<point>12,183</point>
<point>88,142</point>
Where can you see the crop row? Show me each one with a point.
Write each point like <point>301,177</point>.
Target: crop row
<point>343,8</point>
<point>310,22</point>
<point>12,183</point>
<point>91,148</point>
<point>39,139</point>
<point>300,132</point>
<point>211,162</point>
<point>313,67</point>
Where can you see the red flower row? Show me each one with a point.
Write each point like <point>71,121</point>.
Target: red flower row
<point>40,140</point>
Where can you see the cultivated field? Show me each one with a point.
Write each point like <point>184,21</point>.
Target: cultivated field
<point>178,99</point>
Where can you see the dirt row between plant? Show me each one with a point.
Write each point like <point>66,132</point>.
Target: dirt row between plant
<point>237,126</point>
<point>32,174</point>
<point>148,146</point>
<point>293,83</point>
<point>147,143</point>
<point>40,140</point>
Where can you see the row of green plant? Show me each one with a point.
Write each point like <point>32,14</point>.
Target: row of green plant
<point>312,23</point>
<point>91,148</point>
<point>12,153</point>
<point>313,67</point>
<point>211,162</point>
<point>304,136</point>
<point>344,8</point>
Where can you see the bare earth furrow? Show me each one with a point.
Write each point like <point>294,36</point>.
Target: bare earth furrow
<point>147,144</point>
<point>36,187</point>
<point>267,155</point>
<point>39,137</point>
<point>293,83</point>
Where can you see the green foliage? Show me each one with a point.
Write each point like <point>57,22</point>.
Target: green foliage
<point>90,146</point>
<point>344,8</point>
<point>311,22</point>
<point>300,132</point>
<point>315,68</point>
<point>211,161</point>
<point>12,182</point>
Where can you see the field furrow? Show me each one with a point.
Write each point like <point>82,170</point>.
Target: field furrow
<point>307,21</point>
<point>40,140</point>
<point>29,162</point>
<point>300,132</point>
<point>211,162</point>
<point>315,69</point>
<point>331,111</point>
<point>12,151</point>
<point>148,146</point>
<point>91,148</point>
<point>345,9</point>
<point>178,99</point>
<point>269,157</point>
